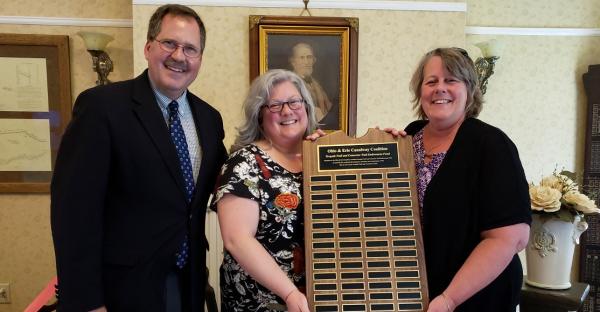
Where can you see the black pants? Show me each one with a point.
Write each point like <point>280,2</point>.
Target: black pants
<point>177,290</point>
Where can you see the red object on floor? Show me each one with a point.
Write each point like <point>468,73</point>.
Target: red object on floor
<point>43,297</point>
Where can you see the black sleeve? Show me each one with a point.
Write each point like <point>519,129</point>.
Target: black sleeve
<point>504,196</point>
<point>222,150</point>
<point>77,199</point>
<point>415,126</point>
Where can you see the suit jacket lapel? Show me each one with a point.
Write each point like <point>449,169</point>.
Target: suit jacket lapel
<point>204,128</point>
<point>153,121</point>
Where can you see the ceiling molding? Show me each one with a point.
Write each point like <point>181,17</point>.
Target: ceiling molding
<point>324,4</point>
<point>126,23</point>
<point>66,21</point>
<point>518,31</point>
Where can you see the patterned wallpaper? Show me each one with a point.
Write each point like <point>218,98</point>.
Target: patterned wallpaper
<point>519,13</point>
<point>27,257</point>
<point>111,9</point>
<point>390,46</point>
<point>536,96</point>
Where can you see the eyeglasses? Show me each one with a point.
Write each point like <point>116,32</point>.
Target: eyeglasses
<point>171,46</point>
<point>277,106</point>
<point>462,51</point>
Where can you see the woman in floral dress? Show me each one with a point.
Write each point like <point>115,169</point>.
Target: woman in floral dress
<point>259,199</point>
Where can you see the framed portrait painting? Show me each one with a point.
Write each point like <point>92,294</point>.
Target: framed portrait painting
<point>321,50</point>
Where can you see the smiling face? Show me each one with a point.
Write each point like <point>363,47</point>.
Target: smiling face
<point>173,72</point>
<point>288,126</point>
<point>443,96</point>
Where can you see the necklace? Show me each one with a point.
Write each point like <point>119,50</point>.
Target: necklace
<point>440,144</point>
<point>431,149</point>
<point>444,139</point>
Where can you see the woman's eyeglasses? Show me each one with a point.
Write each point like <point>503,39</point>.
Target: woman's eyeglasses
<point>277,106</point>
<point>462,51</point>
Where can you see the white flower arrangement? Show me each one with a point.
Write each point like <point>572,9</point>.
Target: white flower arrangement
<point>559,195</point>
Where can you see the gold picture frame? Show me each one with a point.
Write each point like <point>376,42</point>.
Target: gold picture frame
<point>331,46</point>
<point>35,108</point>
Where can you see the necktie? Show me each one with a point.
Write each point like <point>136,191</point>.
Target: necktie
<point>178,137</point>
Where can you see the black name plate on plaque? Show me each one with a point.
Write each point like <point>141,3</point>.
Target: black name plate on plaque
<point>358,156</point>
<point>364,250</point>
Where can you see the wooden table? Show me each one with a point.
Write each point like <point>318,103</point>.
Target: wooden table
<point>535,299</point>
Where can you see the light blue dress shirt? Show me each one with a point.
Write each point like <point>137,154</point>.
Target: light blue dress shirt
<point>187,122</point>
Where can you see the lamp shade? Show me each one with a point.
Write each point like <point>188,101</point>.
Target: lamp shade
<point>95,40</point>
<point>489,48</point>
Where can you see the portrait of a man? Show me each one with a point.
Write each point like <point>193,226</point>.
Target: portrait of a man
<point>317,60</point>
<point>323,51</point>
<point>302,60</point>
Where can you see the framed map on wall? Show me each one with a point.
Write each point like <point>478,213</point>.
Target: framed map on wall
<point>35,107</point>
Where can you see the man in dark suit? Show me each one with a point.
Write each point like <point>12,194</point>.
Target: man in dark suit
<point>132,178</point>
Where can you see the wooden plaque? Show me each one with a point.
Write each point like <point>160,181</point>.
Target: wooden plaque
<point>364,250</point>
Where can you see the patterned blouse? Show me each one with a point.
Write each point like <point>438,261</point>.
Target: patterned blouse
<point>251,173</point>
<point>425,171</point>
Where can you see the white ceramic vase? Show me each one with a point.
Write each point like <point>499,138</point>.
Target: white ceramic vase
<point>550,251</point>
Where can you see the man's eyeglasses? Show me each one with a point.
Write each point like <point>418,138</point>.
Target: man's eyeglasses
<point>277,106</point>
<point>171,46</point>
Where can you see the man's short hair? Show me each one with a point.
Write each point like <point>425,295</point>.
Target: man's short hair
<point>154,26</point>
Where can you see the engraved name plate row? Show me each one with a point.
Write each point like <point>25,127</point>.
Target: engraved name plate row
<point>362,230</point>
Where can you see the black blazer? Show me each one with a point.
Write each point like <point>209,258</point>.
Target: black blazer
<point>479,186</point>
<point>118,204</point>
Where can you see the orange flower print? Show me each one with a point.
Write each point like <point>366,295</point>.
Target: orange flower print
<point>287,201</point>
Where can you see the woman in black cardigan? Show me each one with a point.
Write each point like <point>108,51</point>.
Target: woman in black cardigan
<point>473,193</point>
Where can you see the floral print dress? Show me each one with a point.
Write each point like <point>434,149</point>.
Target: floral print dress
<point>425,171</point>
<point>251,173</point>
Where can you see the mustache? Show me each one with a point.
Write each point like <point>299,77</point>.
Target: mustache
<point>176,64</point>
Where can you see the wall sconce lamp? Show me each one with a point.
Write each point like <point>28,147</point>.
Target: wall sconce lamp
<point>95,43</point>
<point>484,65</point>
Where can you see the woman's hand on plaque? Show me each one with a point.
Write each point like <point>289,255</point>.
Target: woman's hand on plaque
<point>441,304</point>
<point>296,302</point>
<point>315,135</point>
<point>395,132</point>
